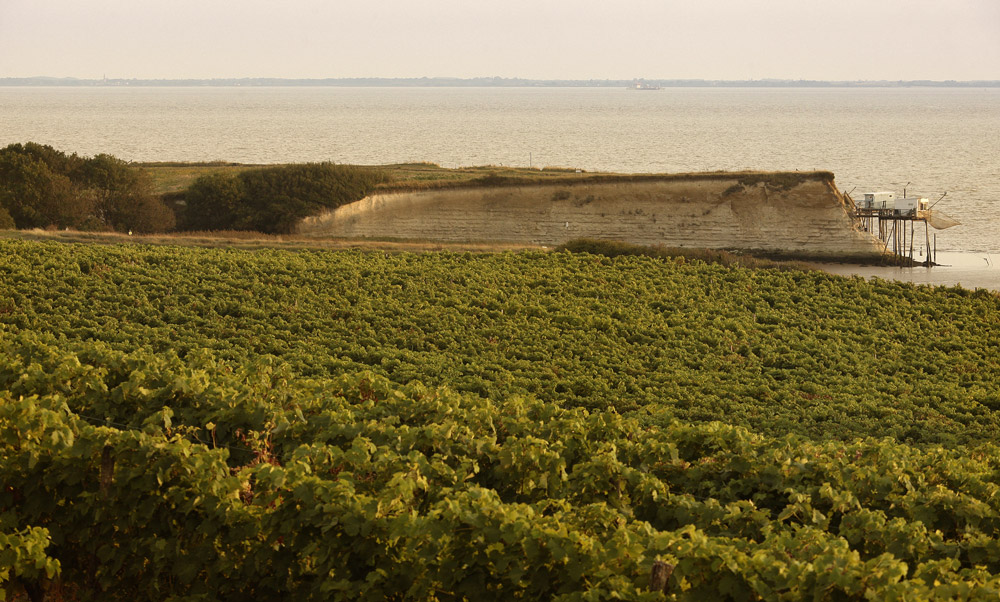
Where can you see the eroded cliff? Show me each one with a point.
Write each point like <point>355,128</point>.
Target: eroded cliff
<point>791,213</point>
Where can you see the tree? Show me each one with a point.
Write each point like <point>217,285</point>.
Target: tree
<point>35,196</point>
<point>42,187</point>
<point>57,161</point>
<point>123,197</point>
<point>212,202</point>
<point>6,221</point>
<point>274,199</point>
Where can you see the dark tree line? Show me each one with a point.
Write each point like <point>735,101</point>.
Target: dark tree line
<point>41,187</point>
<point>274,199</point>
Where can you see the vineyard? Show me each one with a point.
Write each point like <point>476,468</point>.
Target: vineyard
<point>208,424</point>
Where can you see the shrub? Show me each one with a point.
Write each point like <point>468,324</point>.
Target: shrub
<point>123,197</point>
<point>610,248</point>
<point>41,187</point>
<point>274,199</point>
<point>6,221</point>
<point>212,201</point>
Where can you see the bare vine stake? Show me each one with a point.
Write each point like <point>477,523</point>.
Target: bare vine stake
<point>660,575</point>
<point>107,470</point>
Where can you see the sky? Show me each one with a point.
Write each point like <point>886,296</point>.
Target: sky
<point>534,39</point>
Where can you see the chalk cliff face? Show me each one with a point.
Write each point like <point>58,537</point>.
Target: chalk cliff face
<point>777,212</point>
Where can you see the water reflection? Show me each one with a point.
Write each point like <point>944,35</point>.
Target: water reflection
<point>969,270</point>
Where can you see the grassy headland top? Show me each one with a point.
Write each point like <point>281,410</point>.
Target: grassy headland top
<point>175,177</point>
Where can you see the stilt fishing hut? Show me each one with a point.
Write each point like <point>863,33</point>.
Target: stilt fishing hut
<point>893,221</point>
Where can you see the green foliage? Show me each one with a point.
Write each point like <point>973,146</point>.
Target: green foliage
<point>34,193</point>
<point>6,221</point>
<point>611,248</point>
<point>41,187</point>
<point>783,180</point>
<point>212,202</point>
<point>274,199</point>
<point>156,478</point>
<point>23,557</point>
<point>774,351</point>
<point>772,434</point>
<point>123,198</point>
<point>495,179</point>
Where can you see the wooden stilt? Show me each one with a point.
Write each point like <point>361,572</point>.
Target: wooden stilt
<point>891,230</point>
<point>911,242</point>
<point>927,244</point>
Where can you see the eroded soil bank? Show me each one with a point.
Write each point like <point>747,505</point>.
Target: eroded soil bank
<point>794,213</point>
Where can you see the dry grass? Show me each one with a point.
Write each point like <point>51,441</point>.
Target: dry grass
<point>257,240</point>
<point>171,178</point>
<point>175,177</point>
<point>474,177</point>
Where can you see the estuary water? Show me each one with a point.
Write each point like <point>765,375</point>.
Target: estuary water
<point>936,139</point>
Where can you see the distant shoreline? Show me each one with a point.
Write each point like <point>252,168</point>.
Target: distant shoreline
<point>494,82</point>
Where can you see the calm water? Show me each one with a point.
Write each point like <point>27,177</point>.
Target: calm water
<point>940,140</point>
<point>969,270</point>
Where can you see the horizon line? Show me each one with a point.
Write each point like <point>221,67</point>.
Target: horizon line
<point>445,81</point>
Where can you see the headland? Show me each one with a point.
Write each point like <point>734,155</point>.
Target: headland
<point>798,214</point>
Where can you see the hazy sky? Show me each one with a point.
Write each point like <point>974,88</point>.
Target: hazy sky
<point>543,39</point>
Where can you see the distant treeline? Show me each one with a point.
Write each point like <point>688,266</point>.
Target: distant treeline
<point>41,187</point>
<point>457,82</point>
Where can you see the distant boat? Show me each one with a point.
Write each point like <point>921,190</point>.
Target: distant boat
<point>641,85</point>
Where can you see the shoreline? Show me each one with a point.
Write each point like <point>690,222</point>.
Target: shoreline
<point>970,270</point>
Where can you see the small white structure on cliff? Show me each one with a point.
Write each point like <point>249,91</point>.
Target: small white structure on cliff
<point>877,200</point>
<point>887,201</point>
<point>892,220</point>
